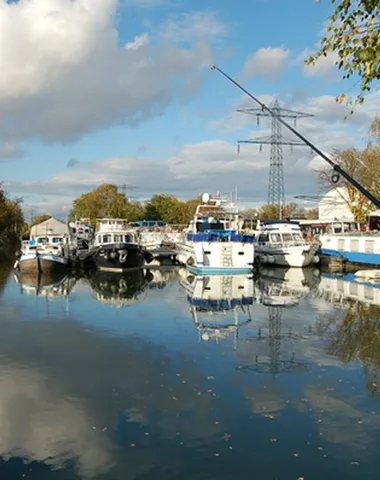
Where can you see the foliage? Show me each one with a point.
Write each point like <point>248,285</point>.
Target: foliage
<point>353,33</point>
<point>312,214</point>
<point>357,338</point>
<point>271,212</point>
<point>105,201</point>
<point>11,220</point>
<point>363,166</point>
<point>170,209</point>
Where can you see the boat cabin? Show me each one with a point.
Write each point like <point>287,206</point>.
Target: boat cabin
<point>114,230</point>
<point>280,232</point>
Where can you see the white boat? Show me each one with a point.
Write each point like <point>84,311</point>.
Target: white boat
<point>212,243</point>
<point>219,304</point>
<point>281,243</point>
<point>116,246</point>
<point>47,254</point>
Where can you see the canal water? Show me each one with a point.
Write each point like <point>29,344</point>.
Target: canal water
<point>164,375</point>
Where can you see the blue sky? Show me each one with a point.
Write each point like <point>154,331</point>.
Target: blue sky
<point>123,92</point>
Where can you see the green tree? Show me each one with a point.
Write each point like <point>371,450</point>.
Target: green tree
<point>11,221</point>
<point>169,209</point>
<point>353,33</point>
<point>105,201</point>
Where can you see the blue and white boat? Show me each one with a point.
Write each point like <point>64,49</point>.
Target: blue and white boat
<point>212,243</point>
<point>348,243</point>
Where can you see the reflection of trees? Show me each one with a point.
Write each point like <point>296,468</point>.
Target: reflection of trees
<point>5,269</point>
<point>356,337</point>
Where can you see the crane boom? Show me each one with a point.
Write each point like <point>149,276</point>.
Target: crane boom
<point>337,168</point>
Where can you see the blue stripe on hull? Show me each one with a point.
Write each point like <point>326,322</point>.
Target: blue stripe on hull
<point>353,257</point>
<point>219,270</point>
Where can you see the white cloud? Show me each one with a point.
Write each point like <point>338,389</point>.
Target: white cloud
<point>186,27</point>
<point>325,66</point>
<point>266,62</point>
<point>63,72</point>
<point>138,41</point>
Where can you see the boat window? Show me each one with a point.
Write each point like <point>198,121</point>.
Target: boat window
<point>128,238</point>
<point>287,237</point>
<point>42,240</point>
<point>107,238</point>
<point>118,238</point>
<point>297,237</point>
<point>275,237</point>
<point>263,238</point>
<point>74,230</point>
<point>56,240</point>
<point>99,238</point>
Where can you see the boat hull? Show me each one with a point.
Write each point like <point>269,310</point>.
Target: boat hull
<point>32,264</point>
<point>361,250</point>
<point>297,256</point>
<point>216,257</point>
<point>120,257</point>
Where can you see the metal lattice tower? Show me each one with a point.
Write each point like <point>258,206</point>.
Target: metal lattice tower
<point>276,188</point>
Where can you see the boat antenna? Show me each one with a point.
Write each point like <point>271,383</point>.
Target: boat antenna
<point>337,168</point>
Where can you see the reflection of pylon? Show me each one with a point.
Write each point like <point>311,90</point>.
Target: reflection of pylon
<point>276,189</point>
<point>275,320</point>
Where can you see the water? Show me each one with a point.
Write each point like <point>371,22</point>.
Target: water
<point>116,377</point>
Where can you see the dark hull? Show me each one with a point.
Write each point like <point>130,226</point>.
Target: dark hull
<point>120,257</point>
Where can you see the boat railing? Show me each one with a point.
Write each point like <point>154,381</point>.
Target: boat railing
<point>284,244</point>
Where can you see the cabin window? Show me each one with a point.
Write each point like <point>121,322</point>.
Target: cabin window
<point>297,237</point>
<point>369,246</point>
<point>99,238</point>
<point>263,238</point>
<point>74,230</point>
<point>128,238</point>
<point>275,237</point>
<point>42,240</point>
<point>354,245</point>
<point>107,238</point>
<point>118,238</point>
<point>56,240</point>
<point>287,237</point>
<point>340,286</point>
<point>340,244</point>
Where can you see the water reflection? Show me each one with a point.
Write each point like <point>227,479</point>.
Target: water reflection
<point>89,395</point>
<point>219,304</point>
<point>46,285</point>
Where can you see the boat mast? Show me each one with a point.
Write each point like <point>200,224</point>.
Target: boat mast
<point>337,168</point>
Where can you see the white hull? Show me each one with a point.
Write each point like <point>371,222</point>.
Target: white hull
<point>292,256</point>
<point>216,257</point>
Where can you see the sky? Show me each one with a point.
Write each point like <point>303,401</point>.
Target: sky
<point>121,91</point>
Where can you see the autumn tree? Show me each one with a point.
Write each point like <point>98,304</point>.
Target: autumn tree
<point>11,220</point>
<point>170,209</point>
<point>363,166</point>
<point>105,201</point>
<point>353,33</point>
<point>312,213</point>
<point>272,212</point>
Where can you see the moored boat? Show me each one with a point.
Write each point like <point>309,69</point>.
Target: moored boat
<point>213,243</point>
<point>281,243</point>
<point>116,247</point>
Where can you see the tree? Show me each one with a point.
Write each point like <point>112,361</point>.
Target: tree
<point>353,33</point>
<point>271,212</point>
<point>312,214</point>
<point>105,201</point>
<point>363,166</point>
<point>11,220</point>
<point>170,209</point>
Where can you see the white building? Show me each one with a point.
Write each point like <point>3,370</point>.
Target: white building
<point>51,226</point>
<point>334,206</point>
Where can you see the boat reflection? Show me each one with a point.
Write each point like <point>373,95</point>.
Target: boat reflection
<point>120,289</point>
<point>219,304</point>
<point>51,286</point>
<point>285,287</point>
